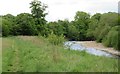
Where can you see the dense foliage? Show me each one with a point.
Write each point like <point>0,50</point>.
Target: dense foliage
<point>104,28</point>
<point>100,27</point>
<point>38,14</point>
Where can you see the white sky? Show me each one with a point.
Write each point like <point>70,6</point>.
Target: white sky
<point>60,9</point>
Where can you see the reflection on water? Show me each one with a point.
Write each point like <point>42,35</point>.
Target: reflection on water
<point>75,46</point>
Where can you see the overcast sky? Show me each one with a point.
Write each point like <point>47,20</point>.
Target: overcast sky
<point>60,9</point>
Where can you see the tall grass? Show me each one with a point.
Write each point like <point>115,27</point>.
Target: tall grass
<point>38,55</point>
<point>55,39</point>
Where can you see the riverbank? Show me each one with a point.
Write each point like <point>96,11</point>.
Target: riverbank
<point>99,46</point>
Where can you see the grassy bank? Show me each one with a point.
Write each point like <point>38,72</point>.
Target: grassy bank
<point>0,55</point>
<point>36,54</point>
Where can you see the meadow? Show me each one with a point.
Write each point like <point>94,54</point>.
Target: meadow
<point>37,54</point>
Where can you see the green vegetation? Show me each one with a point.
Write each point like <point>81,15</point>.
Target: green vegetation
<point>24,25</point>
<point>100,27</point>
<point>37,54</point>
<point>56,40</point>
<point>31,44</point>
<point>104,28</point>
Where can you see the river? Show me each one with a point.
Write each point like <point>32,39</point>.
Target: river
<point>72,45</point>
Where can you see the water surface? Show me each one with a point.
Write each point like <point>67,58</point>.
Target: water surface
<point>75,46</point>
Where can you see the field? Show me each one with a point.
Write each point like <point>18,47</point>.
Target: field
<point>36,54</point>
<point>0,55</point>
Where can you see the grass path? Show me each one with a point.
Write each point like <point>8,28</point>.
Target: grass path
<point>16,55</point>
<point>34,54</point>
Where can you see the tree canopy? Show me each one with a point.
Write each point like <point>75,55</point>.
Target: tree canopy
<point>103,28</point>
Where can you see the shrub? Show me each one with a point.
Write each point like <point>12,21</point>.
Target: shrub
<point>5,30</point>
<point>104,31</point>
<point>55,40</point>
<point>25,25</point>
<point>111,39</point>
<point>6,27</point>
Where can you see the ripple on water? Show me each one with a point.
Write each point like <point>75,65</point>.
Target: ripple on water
<point>74,46</point>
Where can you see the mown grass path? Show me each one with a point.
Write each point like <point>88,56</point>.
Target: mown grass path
<point>35,54</point>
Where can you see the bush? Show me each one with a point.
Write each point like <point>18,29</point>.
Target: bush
<point>102,33</point>
<point>55,40</point>
<point>5,30</point>
<point>6,26</point>
<point>111,39</point>
<point>73,33</point>
<point>25,25</point>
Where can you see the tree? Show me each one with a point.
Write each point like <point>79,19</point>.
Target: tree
<point>58,28</point>
<point>104,28</point>
<point>65,24</point>
<point>106,22</point>
<point>81,22</point>
<point>94,21</point>
<point>111,38</point>
<point>25,24</point>
<point>5,27</point>
<point>38,13</point>
<point>11,21</point>
<point>73,32</point>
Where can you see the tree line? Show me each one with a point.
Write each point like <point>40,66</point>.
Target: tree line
<point>103,28</point>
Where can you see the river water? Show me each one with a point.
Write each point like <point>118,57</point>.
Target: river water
<point>72,45</point>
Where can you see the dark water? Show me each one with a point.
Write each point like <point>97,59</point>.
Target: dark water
<point>75,46</point>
